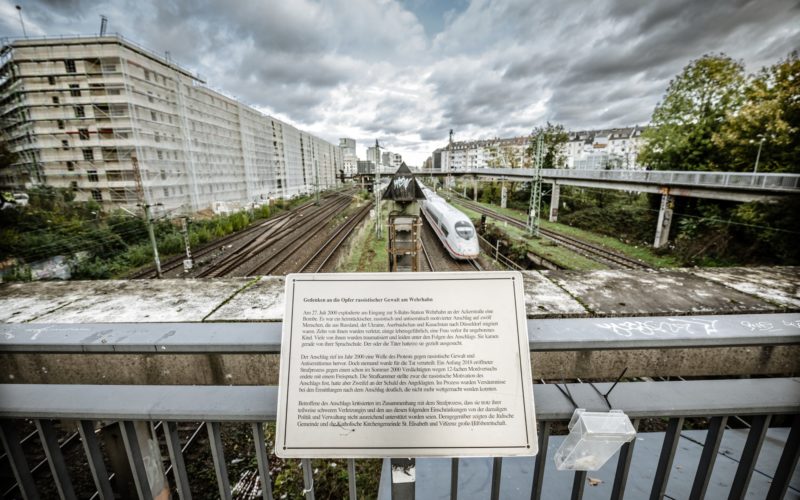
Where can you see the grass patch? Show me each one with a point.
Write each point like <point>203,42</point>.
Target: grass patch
<point>642,253</point>
<point>558,255</point>
<point>369,254</point>
<point>645,254</point>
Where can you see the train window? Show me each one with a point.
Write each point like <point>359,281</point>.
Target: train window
<point>464,229</point>
<point>444,230</point>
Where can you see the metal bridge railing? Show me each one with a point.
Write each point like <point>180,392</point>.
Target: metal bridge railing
<point>721,180</point>
<point>135,412</point>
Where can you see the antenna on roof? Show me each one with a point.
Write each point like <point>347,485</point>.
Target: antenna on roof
<point>103,24</point>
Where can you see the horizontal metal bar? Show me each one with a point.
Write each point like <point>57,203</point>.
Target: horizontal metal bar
<point>663,332</point>
<point>165,338</point>
<point>707,398</point>
<point>563,334</point>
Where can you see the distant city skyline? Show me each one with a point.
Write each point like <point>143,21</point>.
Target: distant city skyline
<point>405,72</point>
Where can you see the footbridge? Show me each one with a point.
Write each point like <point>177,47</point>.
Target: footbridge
<point>728,186</point>
<point>731,186</point>
<point>103,371</point>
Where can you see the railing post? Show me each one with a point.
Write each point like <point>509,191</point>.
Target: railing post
<point>454,479</point>
<point>752,447</point>
<point>16,457</point>
<point>218,454</point>
<point>56,459</point>
<point>623,467</point>
<point>671,438</point>
<point>95,459</point>
<point>707,458</point>
<point>787,463</point>
<point>404,477</point>
<point>263,460</point>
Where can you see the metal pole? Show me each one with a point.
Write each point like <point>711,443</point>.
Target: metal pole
<point>21,22</point>
<point>758,155</point>
<point>316,185</point>
<point>152,239</point>
<point>185,232</point>
<point>376,188</point>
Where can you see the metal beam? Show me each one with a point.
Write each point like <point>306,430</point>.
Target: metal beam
<point>561,334</point>
<point>707,398</point>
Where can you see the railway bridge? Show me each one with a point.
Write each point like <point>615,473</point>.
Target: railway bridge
<point>728,186</point>
<point>153,354</point>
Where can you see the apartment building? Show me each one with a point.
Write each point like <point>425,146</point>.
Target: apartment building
<point>349,157</point>
<point>121,125</point>
<point>590,149</point>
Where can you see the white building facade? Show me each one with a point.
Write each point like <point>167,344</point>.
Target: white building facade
<point>349,157</point>
<point>591,149</point>
<point>123,126</point>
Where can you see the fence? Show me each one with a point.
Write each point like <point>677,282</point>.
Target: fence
<point>716,401</point>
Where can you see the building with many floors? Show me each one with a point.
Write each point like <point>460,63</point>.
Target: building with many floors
<point>349,156</point>
<point>121,125</point>
<point>590,149</point>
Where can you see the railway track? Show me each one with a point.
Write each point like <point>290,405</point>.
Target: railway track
<point>264,253</point>
<point>322,256</point>
<point>597,253</point>
<point>173,263</point>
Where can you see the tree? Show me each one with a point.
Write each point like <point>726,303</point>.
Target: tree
<point>770,118</point>
<point>693,110</point>
<point>555,137</point>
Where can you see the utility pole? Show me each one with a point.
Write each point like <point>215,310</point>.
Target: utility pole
<point>137,175</point>
<point>377,189</point>
<point>152,239</point>
<point>187,264</point>
<point>316,185</point>
<point>450,158</point>
<point>536,188</point>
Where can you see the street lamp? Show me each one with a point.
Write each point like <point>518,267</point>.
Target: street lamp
<point>758,156</point>
<point>21,22</point>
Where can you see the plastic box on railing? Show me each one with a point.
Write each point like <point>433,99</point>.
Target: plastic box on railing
<point>593,438</point>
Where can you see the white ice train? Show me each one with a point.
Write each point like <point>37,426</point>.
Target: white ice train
<point>453,228</point>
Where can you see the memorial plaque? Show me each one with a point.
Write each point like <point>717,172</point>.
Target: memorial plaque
<point>405,364</point>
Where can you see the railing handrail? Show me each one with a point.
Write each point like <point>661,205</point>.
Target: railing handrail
<point>562,334</point>
<point>748,181</point>
<point>691,398</point>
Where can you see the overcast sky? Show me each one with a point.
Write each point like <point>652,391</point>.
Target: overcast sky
<point>405,72</point>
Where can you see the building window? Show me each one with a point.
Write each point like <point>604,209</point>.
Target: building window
<point>51,80</point>
<point>69,64</point>
<point>150,96</point>
<point>88,154</point>
<point>96,195</point>
<point>147,75</point>
<point>157,137</point>
<point>153,116</point>
<point>160,155</point>
<point>74,90</point>
<point>166,191</point>
<point>79,112</point>
<point>65,144</point>
<point>92,175</point>
<point>83,133</point>
<point>74,185</point>
<point>55,99</point>
<point>60,124</point>
<point>71,166</point>
<point>163,175</point>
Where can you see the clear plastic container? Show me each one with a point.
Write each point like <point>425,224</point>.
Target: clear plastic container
<point>593,438</point>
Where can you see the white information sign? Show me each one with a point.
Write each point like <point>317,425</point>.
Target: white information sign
<point>404,365</point>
